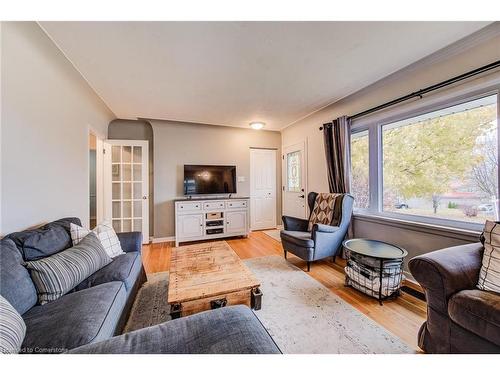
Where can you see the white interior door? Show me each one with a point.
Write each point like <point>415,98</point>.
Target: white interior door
<point>294,180</point>
<point>262,188</point>
<point>126,171</point>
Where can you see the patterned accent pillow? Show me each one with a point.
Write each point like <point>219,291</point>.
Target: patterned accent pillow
<point>56,275</point>
<point>326,210</point>
<point>12,328</point>
<point>104,232</point>
<point>489,276</point>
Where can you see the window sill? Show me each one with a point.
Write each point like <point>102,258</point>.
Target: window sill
<point>440,230</point>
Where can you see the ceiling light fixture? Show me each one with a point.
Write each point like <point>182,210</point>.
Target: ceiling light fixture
<point>257,125</point>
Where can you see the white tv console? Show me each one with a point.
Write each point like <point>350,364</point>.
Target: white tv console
<point>203,219</point>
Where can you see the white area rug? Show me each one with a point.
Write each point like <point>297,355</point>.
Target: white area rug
<point>274,234</point>
<point>303,316</point>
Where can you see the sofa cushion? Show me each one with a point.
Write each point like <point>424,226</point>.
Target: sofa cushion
<point>16,285</point>
<point>75,319</point>
<point>302,239</point>
<point>44,241</point>
<point>477,311</point>
<point>125,268</point>
<point>12,328</point>
<point>56,275</point>
<point>227,330</point>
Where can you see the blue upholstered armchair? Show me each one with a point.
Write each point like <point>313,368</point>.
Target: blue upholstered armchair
<point>323,241</point>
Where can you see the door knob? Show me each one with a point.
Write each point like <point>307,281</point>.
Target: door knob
<point>302,196</point>
<point>145,197</point>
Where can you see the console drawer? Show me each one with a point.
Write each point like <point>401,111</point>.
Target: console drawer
<point>189,206</point>
<point>213,205</point>
<point>236,204</point>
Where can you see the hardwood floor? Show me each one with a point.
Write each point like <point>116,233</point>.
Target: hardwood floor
<point>402,316</point>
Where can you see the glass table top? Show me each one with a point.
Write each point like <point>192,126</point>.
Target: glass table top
<point>374,248</point>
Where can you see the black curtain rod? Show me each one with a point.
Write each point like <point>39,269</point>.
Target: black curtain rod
<point>420,93</point>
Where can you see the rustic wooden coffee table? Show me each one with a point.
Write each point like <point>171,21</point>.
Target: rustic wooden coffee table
<point>207,276</point>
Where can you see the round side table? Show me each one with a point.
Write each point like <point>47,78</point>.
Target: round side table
<point>374,267</point>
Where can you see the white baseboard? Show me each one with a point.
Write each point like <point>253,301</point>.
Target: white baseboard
<point>280,227</point>
<point>163,239</point>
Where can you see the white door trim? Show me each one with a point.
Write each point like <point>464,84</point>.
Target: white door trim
<point>99,161</point>
<point>100,180</point>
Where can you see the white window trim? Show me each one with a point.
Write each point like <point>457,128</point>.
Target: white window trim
<point>480,87</point>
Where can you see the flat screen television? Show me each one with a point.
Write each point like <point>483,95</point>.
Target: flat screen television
<point>209,179</point>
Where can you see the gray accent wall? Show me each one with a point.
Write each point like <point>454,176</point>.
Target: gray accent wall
<point>47,110</point>
<point>177,143</point>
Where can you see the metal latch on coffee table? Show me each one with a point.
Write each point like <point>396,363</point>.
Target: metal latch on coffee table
<point>255,303</point>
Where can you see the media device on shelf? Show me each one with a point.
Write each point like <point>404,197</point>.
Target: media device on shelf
<point>209,179</point>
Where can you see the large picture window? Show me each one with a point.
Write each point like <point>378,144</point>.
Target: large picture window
<point>438,167</point>
<point>443,164</point>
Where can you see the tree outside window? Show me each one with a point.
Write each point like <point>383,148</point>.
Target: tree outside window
<point>443,164</point>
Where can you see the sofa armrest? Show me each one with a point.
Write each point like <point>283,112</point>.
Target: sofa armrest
<point>130,241</point>
<point>445,272</point>
<point>294,223</point>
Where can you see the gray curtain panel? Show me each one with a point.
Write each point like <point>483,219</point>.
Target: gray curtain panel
<point>337,137</point>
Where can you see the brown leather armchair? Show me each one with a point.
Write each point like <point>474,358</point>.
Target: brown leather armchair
<point>460,317</point>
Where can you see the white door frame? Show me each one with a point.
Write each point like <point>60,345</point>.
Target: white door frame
<point>145,181</point>
<point>252,211</point>
<point>99,163</point>
<point>303,145</point>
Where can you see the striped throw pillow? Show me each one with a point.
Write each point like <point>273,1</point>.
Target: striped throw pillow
<point>56,275</point>
<point>12,328</point>
<point>104,232</point>
<point>489,276</point>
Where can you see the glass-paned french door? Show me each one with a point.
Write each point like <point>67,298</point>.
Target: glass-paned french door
<point>127,186</point>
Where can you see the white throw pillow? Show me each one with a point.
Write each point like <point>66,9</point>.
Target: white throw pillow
<point>104,232</point>
<point>489,276</point>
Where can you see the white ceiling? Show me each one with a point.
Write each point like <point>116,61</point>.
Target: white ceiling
<point>232,73</point>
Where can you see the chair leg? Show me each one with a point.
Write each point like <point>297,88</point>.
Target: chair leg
<point>285,254</point>
<point>334,257</point>
<point>308,266</point>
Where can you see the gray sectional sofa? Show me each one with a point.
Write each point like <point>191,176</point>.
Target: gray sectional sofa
<point>96,310</point>
<point>87,319</point>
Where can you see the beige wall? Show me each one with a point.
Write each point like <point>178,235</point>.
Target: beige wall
<point>176,144</point>
<point>47,109</point>
<point>479,50</point>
